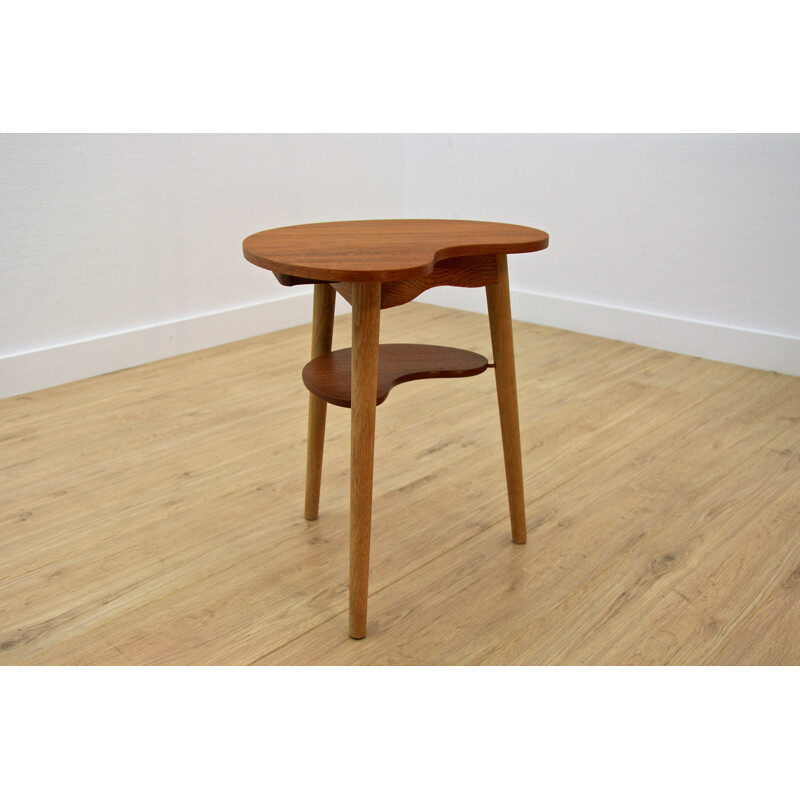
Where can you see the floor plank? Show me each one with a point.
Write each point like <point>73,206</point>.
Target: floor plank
<point>154,515</point>
<point>677,597</point>
<point>462,612</point>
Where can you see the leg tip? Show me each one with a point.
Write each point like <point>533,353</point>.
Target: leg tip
<point>357,629</point>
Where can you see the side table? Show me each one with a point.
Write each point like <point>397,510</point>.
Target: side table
<point>376,264</point>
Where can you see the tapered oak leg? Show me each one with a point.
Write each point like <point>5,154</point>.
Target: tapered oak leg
<point>499,302</point>
<point>321,337</point>
<point>364,390</point>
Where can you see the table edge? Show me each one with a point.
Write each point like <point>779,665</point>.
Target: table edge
<point>335,275</point>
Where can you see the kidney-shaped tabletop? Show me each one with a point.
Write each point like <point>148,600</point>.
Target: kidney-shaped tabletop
<point>382,250</point>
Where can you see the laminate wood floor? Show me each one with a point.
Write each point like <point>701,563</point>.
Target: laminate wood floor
<point>154,515</point>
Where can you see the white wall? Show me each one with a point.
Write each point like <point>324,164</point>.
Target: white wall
<point>684,242</point>
<point>120,249</point>
<point>117,249</point>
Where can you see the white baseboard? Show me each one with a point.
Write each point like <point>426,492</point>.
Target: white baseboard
<point>748,348</point>
<point>38,369</point>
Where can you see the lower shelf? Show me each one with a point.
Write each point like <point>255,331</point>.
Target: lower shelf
<point>328,376</point>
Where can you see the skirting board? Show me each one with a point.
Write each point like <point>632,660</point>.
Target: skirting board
<point>748,348</point>
<point>38,369</point>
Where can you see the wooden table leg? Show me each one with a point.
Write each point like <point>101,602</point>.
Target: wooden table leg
<point>364,389</point>
<point>499,303</point>
<point>321,338</point>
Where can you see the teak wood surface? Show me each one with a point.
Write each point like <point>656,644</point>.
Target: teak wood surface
<point>139,526</point>
<point>382,250</point>
<point>328,376</point>
<point>465,271</point>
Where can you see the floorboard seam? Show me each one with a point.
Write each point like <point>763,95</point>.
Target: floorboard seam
<point>740,627</point>
<point>574,476</point>
<point>647,537</point>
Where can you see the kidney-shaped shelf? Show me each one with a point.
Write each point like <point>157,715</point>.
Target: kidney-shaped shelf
<point>328,376</point>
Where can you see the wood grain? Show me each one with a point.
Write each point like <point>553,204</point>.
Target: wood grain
<point>768,637</point>
<point>364,385</point>
<point>140,526</point>
<point>328,376</point>
<point>321,337</point>
<point>578,530</point>
<point>382,250</point>
<point>499,302</point>
<point>466,271</point>
<point>679,597</point>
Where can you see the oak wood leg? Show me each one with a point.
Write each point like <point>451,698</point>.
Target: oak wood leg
<point>499,303</point>
<point>364,389</point>
<point>321,338</point>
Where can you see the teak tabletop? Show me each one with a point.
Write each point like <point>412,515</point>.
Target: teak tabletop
<point>376,264</point>
<point>384,249</point>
